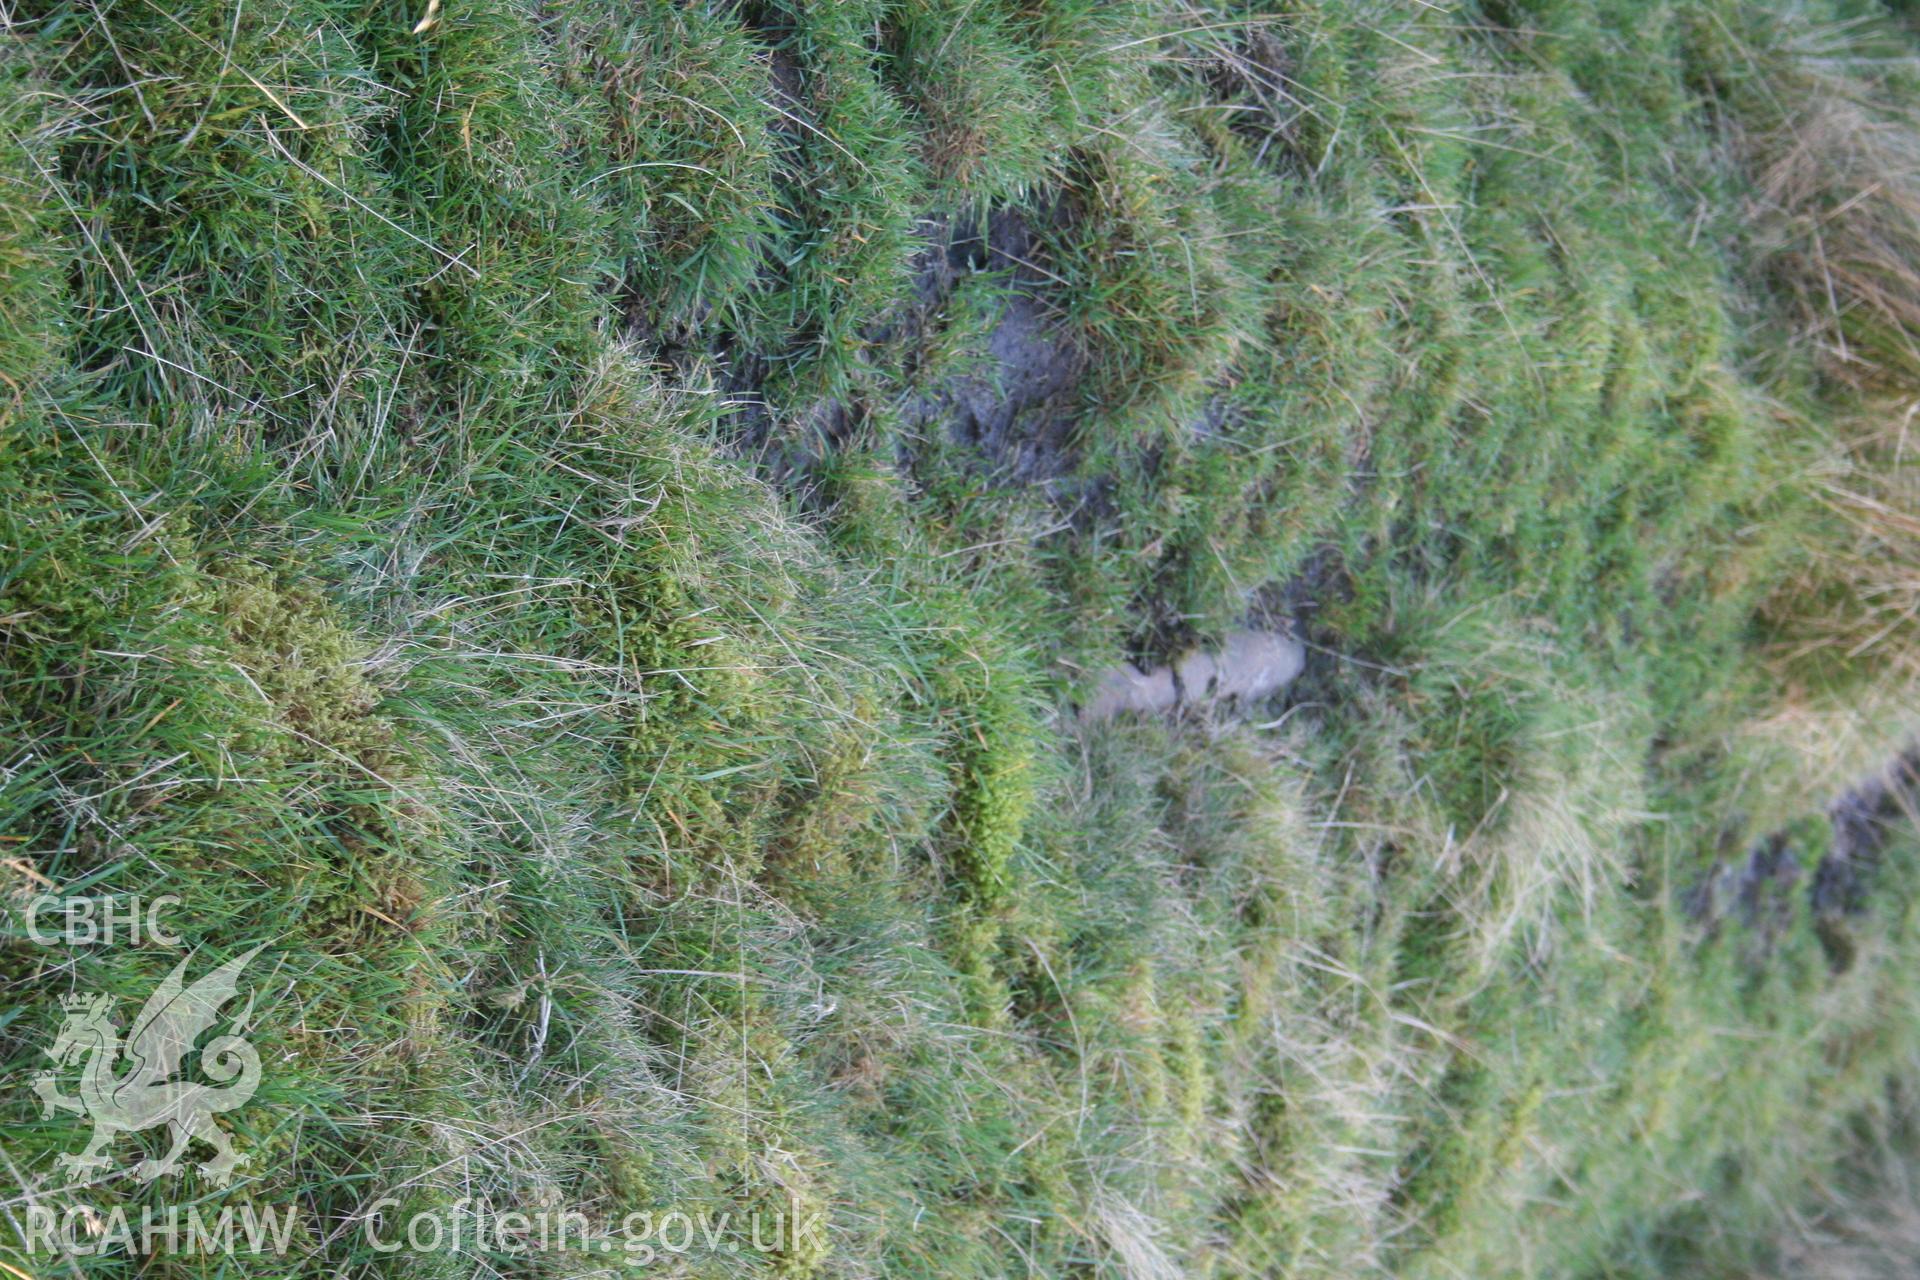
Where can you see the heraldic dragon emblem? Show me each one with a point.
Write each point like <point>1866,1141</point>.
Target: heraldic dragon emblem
<point>125,1089</point>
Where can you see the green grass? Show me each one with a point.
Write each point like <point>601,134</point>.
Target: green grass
<point>479,517</point>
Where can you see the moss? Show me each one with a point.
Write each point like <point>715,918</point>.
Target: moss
<point>992,799</point>
<point>692,770</point>
<point>288,641</point>
<point>1446,1171</point>
<point>972,942</point>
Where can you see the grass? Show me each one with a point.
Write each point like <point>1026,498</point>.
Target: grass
<point>581,529</point>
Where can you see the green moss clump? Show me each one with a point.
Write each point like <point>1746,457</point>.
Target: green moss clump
<point>288,642</point>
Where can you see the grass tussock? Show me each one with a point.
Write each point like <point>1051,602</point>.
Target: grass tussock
<point>1817,120</point>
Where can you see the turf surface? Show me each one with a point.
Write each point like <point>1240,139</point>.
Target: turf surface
<point>582,527</point>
